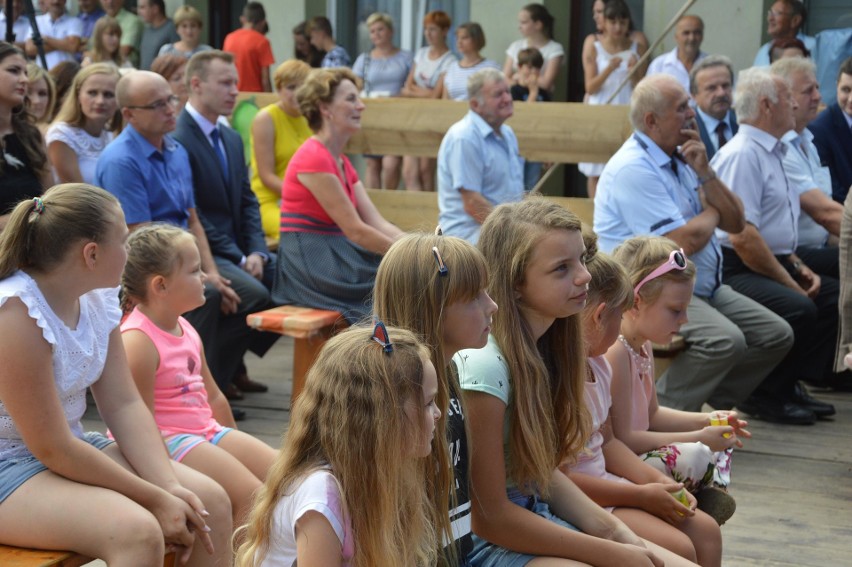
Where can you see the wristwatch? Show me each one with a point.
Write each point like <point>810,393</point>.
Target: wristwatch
<point>795,267</point>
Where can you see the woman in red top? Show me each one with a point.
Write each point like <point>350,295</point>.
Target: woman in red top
<point>332,236</point>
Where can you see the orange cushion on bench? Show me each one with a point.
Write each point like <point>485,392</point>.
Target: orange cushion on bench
<point>19,557</point>
<point>293,321</point>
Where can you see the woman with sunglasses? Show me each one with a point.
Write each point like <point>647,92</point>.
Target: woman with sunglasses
<point>692,447</point>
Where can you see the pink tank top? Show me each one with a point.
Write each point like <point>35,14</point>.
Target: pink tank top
<point>180,399</point>
<point>642,379</point>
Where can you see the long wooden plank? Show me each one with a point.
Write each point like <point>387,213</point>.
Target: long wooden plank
<point>418,211</point>
<point>562,132</point>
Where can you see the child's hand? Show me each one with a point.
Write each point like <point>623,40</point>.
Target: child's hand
<point>738,424</point>
<point>632,61</point>
<point>658,499</point>
<point>714,436</point>
<point>181,514</point>
<point>614,63</point>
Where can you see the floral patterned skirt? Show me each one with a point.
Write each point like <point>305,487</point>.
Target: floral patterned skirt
<point>693,464</point>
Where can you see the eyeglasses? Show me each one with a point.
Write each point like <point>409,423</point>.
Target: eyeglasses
<point>380,335</point>
<point>777,14</point>
<point>157,105</point>
<point>442,268</point>
<point>676,261</point>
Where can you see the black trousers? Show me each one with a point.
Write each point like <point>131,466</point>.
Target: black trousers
<point>814,321</point>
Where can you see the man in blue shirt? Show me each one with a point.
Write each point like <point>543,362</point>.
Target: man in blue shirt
<point>479,165</point>
<point>762,260</point>
<point>149,172</point>
<point>660,183</point>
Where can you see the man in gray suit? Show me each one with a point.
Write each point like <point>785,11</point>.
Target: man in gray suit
<point>711,83</point>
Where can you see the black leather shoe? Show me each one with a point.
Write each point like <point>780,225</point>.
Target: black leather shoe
<point>239,415</point>
<point>802,398</point>
<point>778,412</point>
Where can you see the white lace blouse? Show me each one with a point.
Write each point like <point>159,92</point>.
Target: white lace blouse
<point>79,354</point>
<point>87,147</point>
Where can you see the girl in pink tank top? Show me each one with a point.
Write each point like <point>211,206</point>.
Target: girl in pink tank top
<point>161,280</point>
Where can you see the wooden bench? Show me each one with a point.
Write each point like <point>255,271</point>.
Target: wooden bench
<point>20,557</point>
<point>561,132</point>
<point>310,328</point>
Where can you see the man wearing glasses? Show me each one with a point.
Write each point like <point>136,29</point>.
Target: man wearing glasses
<point>785,20</point>
<point>660,183</point>
<point>149,173</point>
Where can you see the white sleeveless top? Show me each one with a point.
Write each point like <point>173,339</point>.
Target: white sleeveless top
<point>615,78</point>
<point>79,354</point>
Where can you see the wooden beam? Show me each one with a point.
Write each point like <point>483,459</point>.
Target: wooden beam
<point>563,132</point>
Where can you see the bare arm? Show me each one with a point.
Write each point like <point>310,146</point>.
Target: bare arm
<point>64,161</point>
<point>263,146</point>
<point>757,256</point>
<point>329,193</point>
<point>508,70</point>
<point>475,205</point>
<point>316,542</point>
<point>371,215</point>
<point>265,81</point>
<point>413,90</point>
<point>143,360</point>
<point>594,80</point>
<point>441,89</point>
<point>70,43</point>
<point>217,400</point>
<point>547,79</point>
<point>696,233</point>
<point>823,209</point>
<point>714,192</point>
<point>498,520</point>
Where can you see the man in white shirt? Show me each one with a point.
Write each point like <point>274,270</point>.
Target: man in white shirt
<point>61,34</point>
<point>689,33</point>
<point>784,20</point>
<point>761,261</point>
<point>821,215</point>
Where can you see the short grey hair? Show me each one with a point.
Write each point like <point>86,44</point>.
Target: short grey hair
<point>787,66</point>
<point>650,95</point>
<point>752,85</point>
<point>707,63</point>
<point>478,80</point>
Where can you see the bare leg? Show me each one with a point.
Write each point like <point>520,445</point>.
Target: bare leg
<point>52,512</point>
<point>411,173</point>
<point>391,166</point>
<point>706,536</point>
<point>231,474</point>
<point>427,173</point>
<point>591,186</point>
<point>555,562</point>
<point>256,455</point>
<point>652,528</point>
<point>221,526</point>
<point>373,174</point>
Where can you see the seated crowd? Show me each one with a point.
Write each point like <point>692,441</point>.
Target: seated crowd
<point>498,376</point>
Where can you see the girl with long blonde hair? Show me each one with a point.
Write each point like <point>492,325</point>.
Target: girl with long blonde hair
<point>435,287</point>
<point>524,401</point>
<point>348,487</point>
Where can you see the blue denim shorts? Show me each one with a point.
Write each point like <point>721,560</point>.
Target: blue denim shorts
<point>15,472</point>
<point>486,554</point>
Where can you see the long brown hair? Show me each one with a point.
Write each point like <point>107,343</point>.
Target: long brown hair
<point>548,420</point>
<point>351,418</point>
<point>410,293</point>
<point>22,123</point>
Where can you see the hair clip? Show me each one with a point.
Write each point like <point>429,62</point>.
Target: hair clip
<point>380,335</point>
<point>439,231</point>
<point>442,268</point>
<point>38,205</point>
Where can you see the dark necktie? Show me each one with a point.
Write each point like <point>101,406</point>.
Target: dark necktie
<point>720,134</point>
<point>223,161</point>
